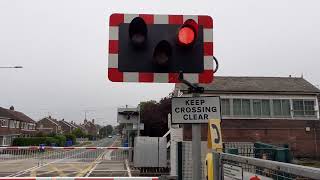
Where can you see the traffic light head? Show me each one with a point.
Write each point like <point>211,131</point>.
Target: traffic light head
<point>156,48</point>
<point>138,32</point>
<point>188,33</point>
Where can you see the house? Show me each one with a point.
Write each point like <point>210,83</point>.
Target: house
<point>90,127</point>
<point>49,125</point>
<point>14,124</point>
<point>276,110</point>
<point>78,126</point>
<point>66,127</point>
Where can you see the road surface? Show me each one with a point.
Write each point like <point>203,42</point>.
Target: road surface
<point>70,163</point>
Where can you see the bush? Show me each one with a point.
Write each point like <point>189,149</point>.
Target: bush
<point>61,140</point>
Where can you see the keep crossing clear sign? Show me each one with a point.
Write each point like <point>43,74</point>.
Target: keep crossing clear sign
<point>195,109</point>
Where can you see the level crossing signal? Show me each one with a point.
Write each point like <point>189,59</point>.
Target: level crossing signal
<point>156,48</point>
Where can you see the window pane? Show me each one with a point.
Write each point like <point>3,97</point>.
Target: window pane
<point>265,108</point>
<point>277,107</point>
<point>246,110</point>
<point>225,107</point>
<point>309,108</point>
<point>237,107</point>
<point>256,107</point>
<point>298,107</point>
<point>285,107</point>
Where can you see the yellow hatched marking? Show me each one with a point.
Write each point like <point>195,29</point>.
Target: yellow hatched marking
<point>61,173</point>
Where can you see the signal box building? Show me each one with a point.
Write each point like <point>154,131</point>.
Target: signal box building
<point>275,110</point>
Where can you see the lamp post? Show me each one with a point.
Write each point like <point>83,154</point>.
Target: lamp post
<point>7,67</point>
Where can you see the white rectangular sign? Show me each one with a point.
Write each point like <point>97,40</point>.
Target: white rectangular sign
<point>195,109</point>
<point>135,126</point>
<point>232,172</point>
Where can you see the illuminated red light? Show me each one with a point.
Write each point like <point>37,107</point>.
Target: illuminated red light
<point>186,36</point>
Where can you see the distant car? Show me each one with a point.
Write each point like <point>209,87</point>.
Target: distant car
<point>109,136</point>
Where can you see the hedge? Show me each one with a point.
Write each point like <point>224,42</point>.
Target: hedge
<point>36,141</point>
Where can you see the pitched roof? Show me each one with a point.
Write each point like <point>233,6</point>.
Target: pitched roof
<point>53,121</point>
<point>65,122</point>
<point>258,85</point>
<point>11,114</point>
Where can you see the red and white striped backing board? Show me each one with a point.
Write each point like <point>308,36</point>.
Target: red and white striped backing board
<point>116,76</point>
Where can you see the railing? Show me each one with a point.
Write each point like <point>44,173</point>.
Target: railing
<point>228,166</point>
<point>9,154</point>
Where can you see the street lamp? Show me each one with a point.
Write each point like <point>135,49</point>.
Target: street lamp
<point>11,67</point>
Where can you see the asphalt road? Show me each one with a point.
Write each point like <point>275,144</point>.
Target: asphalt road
<point>70,163</point>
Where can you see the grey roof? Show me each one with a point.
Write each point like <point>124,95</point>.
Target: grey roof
<point>11,114</point>
<point>258,85</point>
<point>65,122</point>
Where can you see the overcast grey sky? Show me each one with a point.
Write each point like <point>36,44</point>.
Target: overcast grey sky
<point>63,48</point>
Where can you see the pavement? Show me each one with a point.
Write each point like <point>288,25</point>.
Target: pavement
<point>70,163</point>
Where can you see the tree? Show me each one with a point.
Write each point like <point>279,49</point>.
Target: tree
<point>109,129</point>
<point>79,133</point>
<point>106,131</point>
<point>118,129</point>
<point>154,115</point>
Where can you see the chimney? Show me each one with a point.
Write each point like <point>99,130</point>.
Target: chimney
<point>92,121</point>
<point>11,108</point>
<point>62,119</point>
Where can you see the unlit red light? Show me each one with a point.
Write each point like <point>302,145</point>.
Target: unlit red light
<point>186,36</point>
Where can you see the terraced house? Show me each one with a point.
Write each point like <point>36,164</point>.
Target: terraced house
<point>276,110</point>
<point>14,124</point>
<point>49,125</point>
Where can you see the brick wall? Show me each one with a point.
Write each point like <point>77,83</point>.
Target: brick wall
<point>65,128</point>
<point>47,124</point>
<point>291,132</point>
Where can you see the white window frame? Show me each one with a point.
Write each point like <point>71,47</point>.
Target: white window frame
<point>304,108</point>
<point>270,98</point>
<point>11,124</point>
<point>4,125</point>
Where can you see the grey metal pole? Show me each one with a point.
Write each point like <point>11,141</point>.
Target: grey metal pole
<point>138,128</point>
<point>11,67</point>
<point>196,149</point>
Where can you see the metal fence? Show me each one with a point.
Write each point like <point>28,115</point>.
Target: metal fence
<point>229,166</point>
<point>9,154</point>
